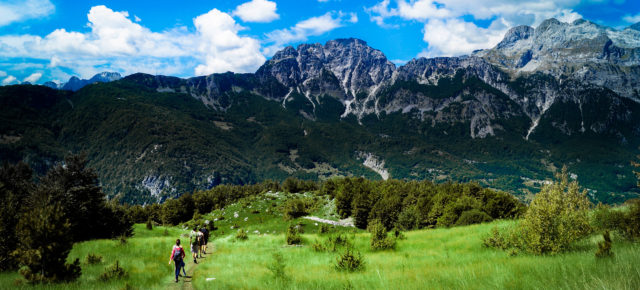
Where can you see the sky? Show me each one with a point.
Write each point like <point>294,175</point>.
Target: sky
<point>52,40</point>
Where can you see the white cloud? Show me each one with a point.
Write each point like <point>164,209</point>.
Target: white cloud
<point>448,33</point>
<point>136,18</point>
<point>353,18</point>
<point>116,43</point>
<point>223,48</point>
<point>2,74</point>
<point>33,78</point>
<point>452,37</point>
<point>257,11</point>
<point>421,10</point>
<point>8,80</point>
<point>16,11</point>
<point>631,18</point>
<point>303,30</point>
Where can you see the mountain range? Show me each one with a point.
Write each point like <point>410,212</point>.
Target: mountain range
<point>560,94</point>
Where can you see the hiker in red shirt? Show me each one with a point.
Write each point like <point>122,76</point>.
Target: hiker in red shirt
<point>177,256</point>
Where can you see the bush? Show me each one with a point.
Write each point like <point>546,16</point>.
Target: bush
<point>557,216</point>
<point>113,272</point>
<point>496,240</point>
<point>397,234</point>
<point>241,235</point>
<point>605,218</point>
<point>318,246</point>
<point>149,224</point>
<point>350,261</point>
<point>473,216</point>
<point>379,238</point>
<point>630,226</point>
<point>295,208</point>
<point>293,235</point>
<point>277,267</point>
<point>409,218</point>
<point>93,259</point>
<point>323,229</point>
<point>604,247</point>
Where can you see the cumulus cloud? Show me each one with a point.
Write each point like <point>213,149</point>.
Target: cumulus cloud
<point>117,43</point>
<point>33,78</point>
<point>223,48</point>
<point>631,18</point>
<point>16,11</point>
<point>448,33</point>
<point>257,11</point>
<point>304,29</point>
<point>451,37</point>
<point>8,80</point>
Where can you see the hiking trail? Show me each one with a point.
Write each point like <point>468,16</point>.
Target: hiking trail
<point>185,283</point>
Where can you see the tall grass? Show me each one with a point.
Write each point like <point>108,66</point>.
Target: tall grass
<point>431,259</point>
<point>145,257</point>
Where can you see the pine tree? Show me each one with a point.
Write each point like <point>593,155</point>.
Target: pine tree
<point>45,241</point>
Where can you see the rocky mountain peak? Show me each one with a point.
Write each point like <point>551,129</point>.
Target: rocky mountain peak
<point>357,67</point>
<point>516,34</point>
<point>635,26</point>
<point>76,83</point>
<point>579,50</point>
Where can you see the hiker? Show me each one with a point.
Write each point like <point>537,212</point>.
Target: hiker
<point>177,256</point>
<point>193,240</point>
<point>206,239</point>
<point>200,242</point>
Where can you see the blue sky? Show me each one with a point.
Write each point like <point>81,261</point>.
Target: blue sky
<point>42,40</point>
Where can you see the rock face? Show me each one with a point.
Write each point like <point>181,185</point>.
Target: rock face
<point>582,51</point>
<point>528,73</point>
<point>346,69</point>
<point>75,83</point>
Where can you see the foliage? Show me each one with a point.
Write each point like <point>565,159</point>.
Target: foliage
<point>350,260</point>
<point>113,272</point>
<point>277,267</point>
<point>45,241</point>
<point>15,186</point>
<point>296,207</point>
<point>379,238</point>
<point>604,247</point>
<point>411,204</point>
<point>294,185</point>
<point>149,224</point>
<point>242,235</point>
<point>631,225</point>
<point>473,216</point>
<point>93,259</point>
<point>496,239</point>
<point>293,235</point>
<point>323,229</point>
<point>557,216</point>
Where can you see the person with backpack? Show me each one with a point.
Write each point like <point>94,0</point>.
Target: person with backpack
<point>193,240</point>
<point>177,256</point>
<point>200,243</point>
<point>205,233</point>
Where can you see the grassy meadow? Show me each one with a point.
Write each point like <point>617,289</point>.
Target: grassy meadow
<point>442,258</point>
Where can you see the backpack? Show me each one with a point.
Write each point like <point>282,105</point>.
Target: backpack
<point>177,255</point>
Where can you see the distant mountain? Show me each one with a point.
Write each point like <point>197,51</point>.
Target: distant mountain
<point>52,85</point>
<point>506,117</point>
<point>75,84</point>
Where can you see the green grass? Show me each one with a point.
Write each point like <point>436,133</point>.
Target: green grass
<point>145,257</point>
<point>440,258</point>
<point>452,258</point>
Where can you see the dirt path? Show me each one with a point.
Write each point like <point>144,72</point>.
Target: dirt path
<point>186,282</point>
<point>348,222</point>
